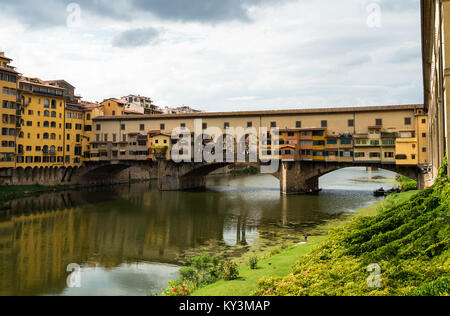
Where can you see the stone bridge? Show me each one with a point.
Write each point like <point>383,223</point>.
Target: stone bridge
<point>295,177</point>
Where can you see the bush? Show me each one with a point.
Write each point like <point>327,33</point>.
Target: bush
<point>253,262</point>
<point>202,270</point>
<point>406,183</point>
<point>177,288</point>
<point>230,271</point>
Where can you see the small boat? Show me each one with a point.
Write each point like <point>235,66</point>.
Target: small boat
<point>392,191</point>
<point>379,192</point>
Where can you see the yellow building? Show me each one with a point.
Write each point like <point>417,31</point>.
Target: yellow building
<point>40,141</point>
<point>8,112</point>
<point>113,107</point>
<point>74,136</point>
<point>406,151</point>
<point>159,145</point>
<point>319,136</point>
<point>422,139</point>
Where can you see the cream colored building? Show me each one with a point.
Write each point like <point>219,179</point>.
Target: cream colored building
<point>436,72</point>
<point>374,123</point>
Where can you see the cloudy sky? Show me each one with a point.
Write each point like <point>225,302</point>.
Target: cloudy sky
<point>218,55</point>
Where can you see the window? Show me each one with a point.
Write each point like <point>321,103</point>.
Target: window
<point>424,135</point>
<point>162,127</point>
<point>424,121</point>
<point>324,124</point>
<point>68,125</point>
<point>413,157</point>
<point>142,127</point>
<point>183,125</point>
<point>249,124</point>
<point>332,142</point>
<point>346,141</point>
<point>226,125</point>
<point>114,138</point>
<point>98,127</point>
<point>424,149</point>
<point>205,126</point>
<point>273,124</point>
<point>298,124</point>
<point>379,122</point>
<point>407,121</point>
<point>122,127</point>
<point>388,155</point>
<point>351,123</point>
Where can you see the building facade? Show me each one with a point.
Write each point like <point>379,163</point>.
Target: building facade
<point>10,116</point>
<point>40,141</point>
<point>386,135</point>
<point>436,78</point>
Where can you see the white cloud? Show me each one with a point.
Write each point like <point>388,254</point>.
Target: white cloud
<point>301,54</point>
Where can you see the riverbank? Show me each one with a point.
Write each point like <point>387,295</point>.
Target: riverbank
<point>280,262</point>
<point>8,193</point>
<point>404,250</point>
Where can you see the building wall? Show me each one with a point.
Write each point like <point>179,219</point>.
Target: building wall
<point>436,72</point>
<point>73,135</point>
<point>112,108</point>
<point>8,105</point>
<point>40,141</point>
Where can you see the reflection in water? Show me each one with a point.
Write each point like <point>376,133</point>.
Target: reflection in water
<point>129,239</point>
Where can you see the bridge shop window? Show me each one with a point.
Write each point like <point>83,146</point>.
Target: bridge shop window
<point>407,121</point>
<point>249,124</point>
<point>162,127</point>
<point>298,124</point>
<point>318,133</point>
<point>98,127</point>
<point>351,123</point>
<point>332,141</point>
<point>324,124</point>
<point>205,126</point>
<point>183,125</point>
<point>379,122</point>
<point>273,124</point>
<point>122,127</point>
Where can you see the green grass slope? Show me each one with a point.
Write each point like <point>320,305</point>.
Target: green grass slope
<point>408,241</point>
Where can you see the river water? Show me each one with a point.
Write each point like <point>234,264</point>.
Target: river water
<point>130,240</point>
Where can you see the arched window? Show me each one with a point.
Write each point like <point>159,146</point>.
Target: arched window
<point>53,150</point>
<point>21,135</point>
<point>53,114</point>
<point>88,117</point>
<point>45,135</point>
<point>45,149</point>
<point>46,103</point>
<point>53,125</point>
<point>53,136</point>
<point>46,124</point>
<point>46,113</point>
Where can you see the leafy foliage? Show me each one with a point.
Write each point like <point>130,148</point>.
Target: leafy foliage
<point>230,271</point>
<point>409,241</point>
<point>201,271</point>
<point>406,183</point>
<point>253,262</point>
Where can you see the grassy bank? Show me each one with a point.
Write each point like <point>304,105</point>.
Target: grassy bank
<point>281,263</point>
<point>277,265</point>
<point>14,192</point>
<point>408,241</point>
